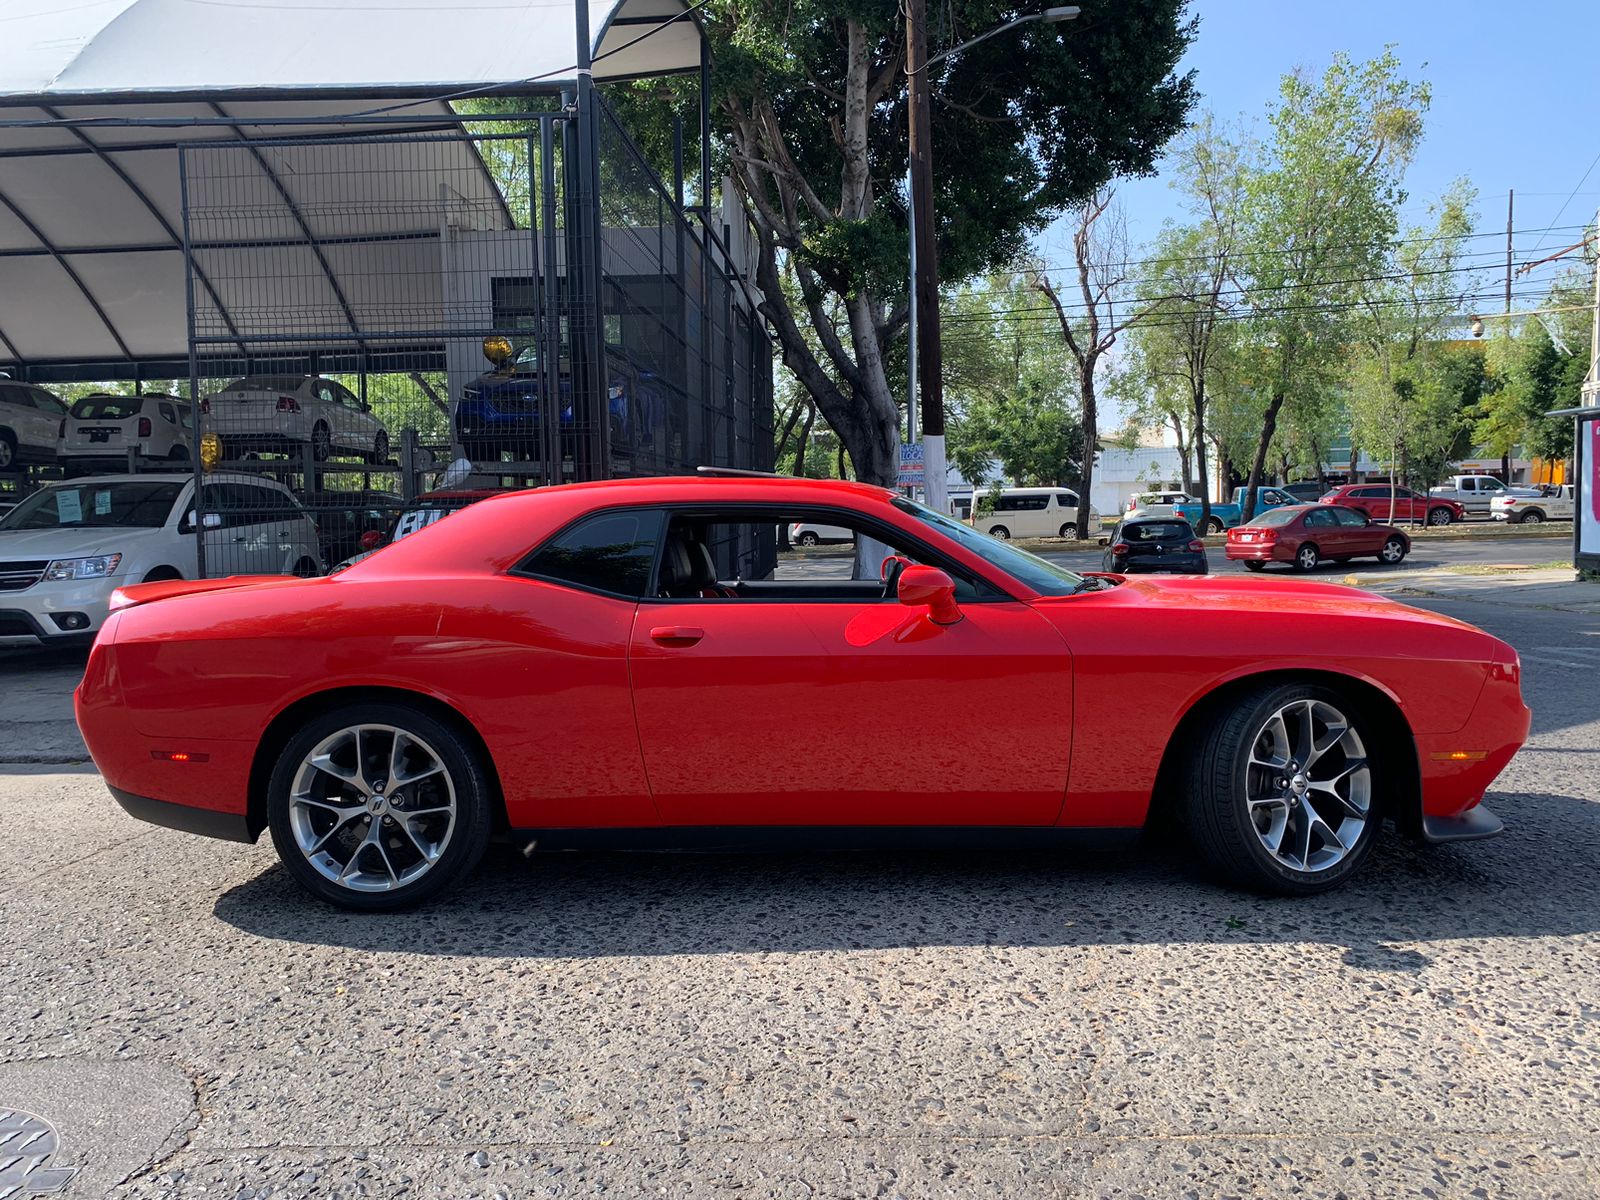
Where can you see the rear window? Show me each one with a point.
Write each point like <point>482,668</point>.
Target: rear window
<point>107,408</point>
<point>1273,518</point>
<point>1157,531</point>
<point>266,383</point>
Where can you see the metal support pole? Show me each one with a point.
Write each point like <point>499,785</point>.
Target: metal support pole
<point>912,430</point>
<point>926,282</point>
<point>585,273</point>
<point>197,505</point>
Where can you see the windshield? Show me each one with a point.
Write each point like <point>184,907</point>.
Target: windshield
<point>137,503</point>
<point>1042,576</point>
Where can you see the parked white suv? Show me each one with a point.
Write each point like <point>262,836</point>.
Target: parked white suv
<point>67,547</point>
<point>1030,512</point>
<point>282,413</point>
<point>1556,504</point>
<point>30,424</point>
<point>101,429</point>
<point>809,533</point>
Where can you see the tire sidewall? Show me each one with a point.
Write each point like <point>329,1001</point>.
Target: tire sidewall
<point>474,805</point>
<point>1300,560</point>
<point>1399,557</point>
<point>1274,874</point>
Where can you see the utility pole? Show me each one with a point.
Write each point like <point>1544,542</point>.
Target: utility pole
<point>911,321</point>
<point>1505,459</point>
<point>925,284</point>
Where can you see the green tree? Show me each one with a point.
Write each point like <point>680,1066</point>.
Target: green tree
<point>1320,213</point>
<point>811,101</point>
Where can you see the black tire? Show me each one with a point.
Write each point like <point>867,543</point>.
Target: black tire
<point>473,798</point>
<point>1439,516</point>
<point>808,539</point>
<point>1217,812</point>
<point>1069,532</point>
<point>307,568</point>
<point>1001,532</point>
<point>8,450</point>
<point>1308,557</point>
<point>1252,565</point>
<point>1213,525</point>
<point>178,454</point>
<point>161,574</point>
<point>1393,552</point>
<point>380,448</point>
<point>1532,517</point>
<point>321,442</point>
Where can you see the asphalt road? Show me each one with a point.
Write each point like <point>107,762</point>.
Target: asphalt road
<point>913,1024</point>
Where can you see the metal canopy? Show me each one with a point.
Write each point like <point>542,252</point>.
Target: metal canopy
<point>95,99</point>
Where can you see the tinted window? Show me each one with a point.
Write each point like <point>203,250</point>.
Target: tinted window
<point>19,396</point>
<point>608,552</point>
<point>1319,518</point>
<point>1273,518</point>
<point>1369,493</point>
<point>1349,516</point>
<point>1157,531</point>
<point>168,414</point>
<point>107,408</point>
<point>48,402</point>
<point>1066,500</point>
<point>1024,503</point>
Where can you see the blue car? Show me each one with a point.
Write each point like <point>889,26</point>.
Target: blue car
<point>502,409</point>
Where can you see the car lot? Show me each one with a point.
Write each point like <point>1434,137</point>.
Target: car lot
<point>904,1024</point>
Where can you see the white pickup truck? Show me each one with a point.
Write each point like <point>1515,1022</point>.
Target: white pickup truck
<point>1476,493</point>
<point>1531,510</point>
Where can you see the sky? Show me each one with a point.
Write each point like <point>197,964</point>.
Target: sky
<point>1516,104</point>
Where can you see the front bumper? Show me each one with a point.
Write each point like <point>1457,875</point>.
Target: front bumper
<point>29,615</point>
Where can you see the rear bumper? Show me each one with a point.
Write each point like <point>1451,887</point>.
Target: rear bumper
<point>231,827</point>
<point>1257,552</point>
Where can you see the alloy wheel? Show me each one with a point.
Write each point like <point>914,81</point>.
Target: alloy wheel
<point>1439,516</point>
<point>372,808</point>
<point>1393,551</point>
<point>1308,786</point>
<point>1307,558</point>
<point>1532,518</point>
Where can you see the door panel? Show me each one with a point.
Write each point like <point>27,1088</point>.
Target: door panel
<point>848,713</point>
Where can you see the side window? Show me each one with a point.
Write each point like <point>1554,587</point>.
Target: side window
<point>47,402</point>
<point>1068,500</point>
<point>167,413</point>
<point>226,500</point>
<point>21,397</point>
<point>349,398</point>
<point>609,552</point>
<point>324,392</point>
<point>1319,518</point>
<point>1027,503</point>
<point>1349,516</point>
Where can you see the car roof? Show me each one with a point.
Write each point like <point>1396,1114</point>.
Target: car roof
<point>1003,491</point>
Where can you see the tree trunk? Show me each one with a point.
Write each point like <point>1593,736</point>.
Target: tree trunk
<point>1090,436</point>
<point>1268,428</point>
<point>805,440</point>
<point>1199,402</point>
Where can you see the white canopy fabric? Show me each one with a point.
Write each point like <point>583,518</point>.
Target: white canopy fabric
<point>91,216</point>
<point>376,47</point>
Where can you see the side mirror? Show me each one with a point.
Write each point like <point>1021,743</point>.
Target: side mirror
<point>929,587</point>
<point>209,521</point>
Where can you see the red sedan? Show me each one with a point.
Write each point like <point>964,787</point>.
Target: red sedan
<point>634,663</point>
<point>1383,503</point>
<point>1306,535</point>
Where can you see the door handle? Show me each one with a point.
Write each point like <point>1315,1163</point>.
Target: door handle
<point>677,635</point>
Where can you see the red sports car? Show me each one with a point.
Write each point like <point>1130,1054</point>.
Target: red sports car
<point>1306,535</point>
<point>633,662</point>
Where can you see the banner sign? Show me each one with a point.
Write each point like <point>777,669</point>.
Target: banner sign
<point>912,472</point>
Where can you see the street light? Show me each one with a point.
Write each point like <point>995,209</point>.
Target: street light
<point>926,364</point>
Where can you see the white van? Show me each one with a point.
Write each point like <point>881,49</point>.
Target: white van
<point>1030,512</point>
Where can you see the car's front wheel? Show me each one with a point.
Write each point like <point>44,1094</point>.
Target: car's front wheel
<point>1280,794</point>
<point>1393,551</point>
<point>1532,517</point>
<point>1439,516</point>
<point>378,806</point>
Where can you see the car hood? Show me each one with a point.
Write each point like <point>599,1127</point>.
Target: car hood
<point>73,543</point>
<point>1261,597</point>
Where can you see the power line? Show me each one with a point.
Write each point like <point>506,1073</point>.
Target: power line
<point>1568,201</point>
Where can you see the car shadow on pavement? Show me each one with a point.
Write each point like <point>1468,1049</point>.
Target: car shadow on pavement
<point>1538,879</point>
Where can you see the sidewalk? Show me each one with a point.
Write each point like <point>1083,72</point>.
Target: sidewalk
<point>1507,585</point>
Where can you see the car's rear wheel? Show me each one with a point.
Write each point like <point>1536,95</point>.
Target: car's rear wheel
<point>380,449</point>
<point>1213,525</point>
<point>8,450</point>
<point>1252,565</point>
<point>1001,532</point>
<point>378,806</point>
<point>1307,557</point>
<point>1069,531</point>
<point>1280,795</point>
<point>1439,516</point>
<point>1532,517</point>
<point>1393,551</point>
<point>808,538</point>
